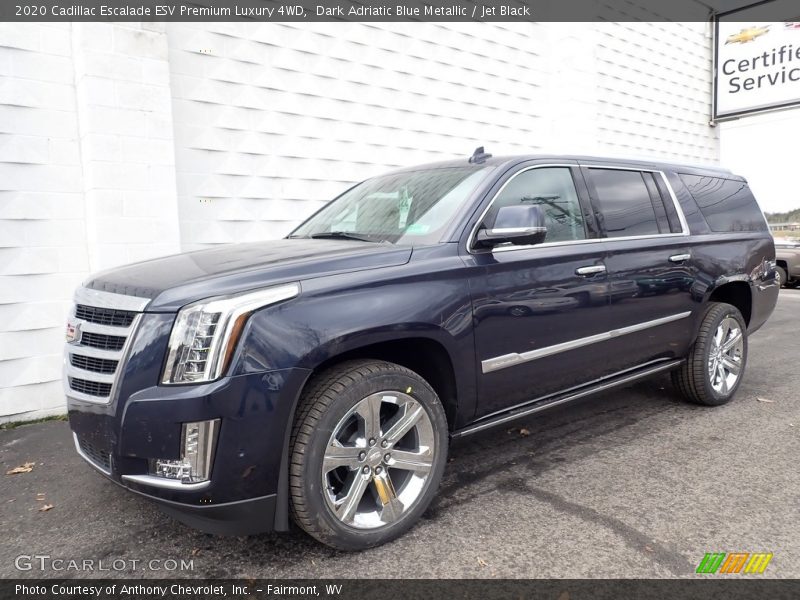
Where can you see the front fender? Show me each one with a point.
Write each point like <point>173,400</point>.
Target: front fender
<point>339,314</point>
<point>427,297</point>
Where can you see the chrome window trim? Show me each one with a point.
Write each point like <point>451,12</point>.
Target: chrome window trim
<point>685,232</point>
<point>509,360</point>
<point>100,299</point>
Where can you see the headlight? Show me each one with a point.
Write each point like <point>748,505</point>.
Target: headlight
<point>205,333</point>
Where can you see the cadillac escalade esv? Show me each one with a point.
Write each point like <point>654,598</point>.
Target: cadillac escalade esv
<point>320,377</point>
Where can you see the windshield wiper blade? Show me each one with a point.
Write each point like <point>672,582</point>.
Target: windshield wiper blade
<point>341,235</point>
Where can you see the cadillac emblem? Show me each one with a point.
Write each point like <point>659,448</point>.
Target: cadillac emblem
<point>73,333</point>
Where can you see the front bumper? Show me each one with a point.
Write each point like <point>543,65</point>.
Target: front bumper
<point>243,495</point>
<point>242,517</point>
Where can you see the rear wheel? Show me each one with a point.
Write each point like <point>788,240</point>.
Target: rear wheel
<point>780,276</point>
<point>368,450</point>
<point>715,365</point>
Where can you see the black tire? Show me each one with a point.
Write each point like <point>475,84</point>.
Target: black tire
<point>781,276</point>
<point>692,379</point>
<point>328,398</point>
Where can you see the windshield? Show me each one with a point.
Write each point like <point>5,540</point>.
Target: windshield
<point>411,207</point>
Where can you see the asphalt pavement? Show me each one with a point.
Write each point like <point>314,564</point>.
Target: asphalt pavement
<point>634,483</point>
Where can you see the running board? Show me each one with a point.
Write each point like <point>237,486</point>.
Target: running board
<point>545,403</point>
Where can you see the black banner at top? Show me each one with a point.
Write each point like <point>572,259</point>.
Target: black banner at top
<point>366,10</point>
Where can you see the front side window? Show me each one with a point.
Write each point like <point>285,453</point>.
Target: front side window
<point>553,190</point>
<point>411,207</point>
<point>622,203</point>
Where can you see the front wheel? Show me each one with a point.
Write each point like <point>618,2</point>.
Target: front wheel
<point>369,447</point>
<point>715,365</point>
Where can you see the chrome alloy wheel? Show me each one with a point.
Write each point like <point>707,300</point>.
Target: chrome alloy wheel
<point>378,459</point>
<point>725,356</point>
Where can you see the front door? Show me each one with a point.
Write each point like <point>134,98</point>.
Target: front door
<point>536,307</point>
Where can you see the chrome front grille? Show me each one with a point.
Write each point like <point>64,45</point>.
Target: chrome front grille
<point>90,363</point>
<point>92,388</point>
<point>102,341</point>
<point>104,316</point>
<point>99,331</point>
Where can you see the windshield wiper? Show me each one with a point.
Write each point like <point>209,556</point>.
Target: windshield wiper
<point>342,235</point>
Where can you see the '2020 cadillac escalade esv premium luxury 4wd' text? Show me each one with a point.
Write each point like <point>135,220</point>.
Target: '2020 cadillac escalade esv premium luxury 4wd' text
<point>321,377</point>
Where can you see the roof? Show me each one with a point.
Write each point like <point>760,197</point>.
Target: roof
<point>642,163</point>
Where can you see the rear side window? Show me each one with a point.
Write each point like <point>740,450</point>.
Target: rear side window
<point>726,204</point>
<point>623,203</point>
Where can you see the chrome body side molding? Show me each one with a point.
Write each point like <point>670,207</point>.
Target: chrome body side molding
<point>509,360</point>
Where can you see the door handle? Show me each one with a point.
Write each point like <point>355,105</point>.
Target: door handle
<point>593,270</point>
<point>676,258</point>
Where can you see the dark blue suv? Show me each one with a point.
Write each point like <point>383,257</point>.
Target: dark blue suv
<point>321,376</point>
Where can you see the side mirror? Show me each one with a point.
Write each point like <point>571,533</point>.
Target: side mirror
<point>522,225</point>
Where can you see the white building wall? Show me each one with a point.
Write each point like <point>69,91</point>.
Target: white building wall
<point>272,120</point>
<point>120,142</point>
<point>124,108</point>
<point>42,249</point>
<point>654,88</point>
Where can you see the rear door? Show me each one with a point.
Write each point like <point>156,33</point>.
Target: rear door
<point>649,262</point>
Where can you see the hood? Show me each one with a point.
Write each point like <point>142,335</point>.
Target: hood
<point>173,281</point>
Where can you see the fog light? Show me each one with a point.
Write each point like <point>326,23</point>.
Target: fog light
<point>197,453</point>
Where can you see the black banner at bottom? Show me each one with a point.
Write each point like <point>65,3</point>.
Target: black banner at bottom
<point>724,588</point>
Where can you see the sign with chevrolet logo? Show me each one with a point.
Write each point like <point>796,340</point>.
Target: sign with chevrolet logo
<point>757,61</point>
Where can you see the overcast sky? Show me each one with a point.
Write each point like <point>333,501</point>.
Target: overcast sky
<point>764,149</point>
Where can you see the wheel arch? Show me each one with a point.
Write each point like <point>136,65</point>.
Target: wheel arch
<point>424,355</point>
<point>736,292</point>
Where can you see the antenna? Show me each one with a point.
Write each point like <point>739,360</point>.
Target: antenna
<point>479,156</point>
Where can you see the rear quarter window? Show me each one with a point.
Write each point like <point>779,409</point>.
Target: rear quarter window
<point>726,204</point>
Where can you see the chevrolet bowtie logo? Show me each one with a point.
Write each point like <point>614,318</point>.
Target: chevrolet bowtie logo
<point>748,34</point>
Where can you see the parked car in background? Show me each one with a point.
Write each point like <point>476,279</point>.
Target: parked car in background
<point>787,258</point>
<point>321,377</point>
